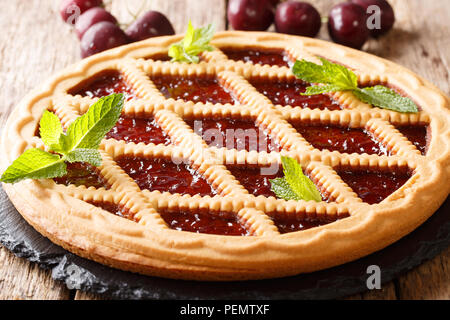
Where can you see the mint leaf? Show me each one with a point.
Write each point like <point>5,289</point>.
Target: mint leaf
<point>335,77</point>
<point>283,190</point>
<point>34,164</point>
<point>50,129</point>
<point>176,52</point>
<point>295,185</point>
<point>198,38</point>
<point>299,183</point>
<point>343,76</point>
<point>195,42</point>
<point>310,91</point>
<point>386,98</point>
<point>87,131</point>
<point>328,73</point>
<point>80,144</point>
<point>62,145</point>
<point>91,156</point>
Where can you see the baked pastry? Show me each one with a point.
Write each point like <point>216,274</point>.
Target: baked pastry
<point>171,201</point>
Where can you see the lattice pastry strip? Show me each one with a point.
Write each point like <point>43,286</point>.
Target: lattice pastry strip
<point>392,138</point>
<point>267,115</point>
<point>136,77</point>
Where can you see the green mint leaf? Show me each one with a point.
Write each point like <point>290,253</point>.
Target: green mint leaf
<point>34,164</point>
<point>335,77</point>
<point>283,190</point>
<point>195,42</point>
<point>62,145</point>
<point>79,144</point>
<point>91,156</point>
<point>176,51</point>
<point>343,76</point>
<point>87,131</point>
<point>326,73</point>
<point>386,98</point>
<point>300,184</point>
<point>200,37</point>
<point>189,35</point>
<point>310,91</point>
<point>50,129</point>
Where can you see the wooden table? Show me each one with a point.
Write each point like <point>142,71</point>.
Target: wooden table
<point>35,43</point>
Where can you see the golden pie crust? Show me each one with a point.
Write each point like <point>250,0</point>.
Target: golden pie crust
<point>148,246</point>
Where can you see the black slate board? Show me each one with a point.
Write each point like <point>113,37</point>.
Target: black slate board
<point>78,273</point>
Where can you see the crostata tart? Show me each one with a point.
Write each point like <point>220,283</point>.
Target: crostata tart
<point>187,185</point>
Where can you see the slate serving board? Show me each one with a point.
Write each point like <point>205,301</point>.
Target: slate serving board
<point>78,273</point>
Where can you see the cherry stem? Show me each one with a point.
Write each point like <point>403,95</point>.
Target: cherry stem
<point>133,15</point>
<point>324,19</point>
<point>136,15</point>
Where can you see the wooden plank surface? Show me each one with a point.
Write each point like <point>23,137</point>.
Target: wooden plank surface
<point>20,279</point>
<point>35,43</point>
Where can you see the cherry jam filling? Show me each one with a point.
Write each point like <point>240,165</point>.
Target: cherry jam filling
<point>233,134</point>
<point>160,57</point>
<point>262,57</point>
<point>138,130</point>
<point>257,179</point>
<point>254,180</point>
<point>219,223</point>
<point>82,174</point>
<point>374,186</point>
<point>341,139</point>
<point>112,208</point>
<point>287,223</point>
<point>104,84</point>
<point>288,93</point>
<point>417,135</point>
<point>165,176</point>
<point>37,131</point>
<point>196,89</point>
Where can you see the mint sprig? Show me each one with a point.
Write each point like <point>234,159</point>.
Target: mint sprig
<point>386,98</point>
<point>79,144</point>
<point>334,77</point>
<point>35,164</point>
<point>50,129</point>
<point>195,42</point>
<point>295,185</point>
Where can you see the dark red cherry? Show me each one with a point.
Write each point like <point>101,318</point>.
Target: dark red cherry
<point>151,24</point>
<point>380,19</point>
<point>347,25</point>
<point>100,37</point>
<point>91,17</point>
<point>298,18</point>
<point>71,10</point>
<point>250,15</point>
